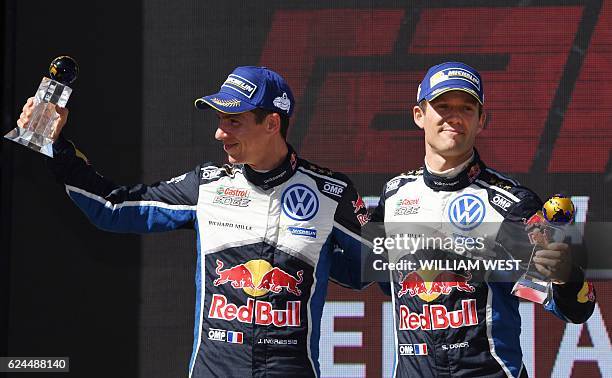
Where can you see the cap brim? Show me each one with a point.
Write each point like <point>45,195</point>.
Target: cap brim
<point>224,103</point>
<point>459,86</point>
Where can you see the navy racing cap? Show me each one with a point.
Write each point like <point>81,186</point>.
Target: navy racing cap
<point>250,87</point>
<point>450,76</point>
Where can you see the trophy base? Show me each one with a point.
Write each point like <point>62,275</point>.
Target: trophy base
<point>30,139</point>
<point>532,289</point>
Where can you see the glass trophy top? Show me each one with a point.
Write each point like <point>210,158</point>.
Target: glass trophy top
<point>38,133</point>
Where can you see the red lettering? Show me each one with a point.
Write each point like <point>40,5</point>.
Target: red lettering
<point>245,313</point>
<point>456,319</point>
<point>262,313</point>
<point>218,302</point>
<point>230,311</point>
<point>438,317</point>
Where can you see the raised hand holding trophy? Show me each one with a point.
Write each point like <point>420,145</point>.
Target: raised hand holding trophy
<point>545,226</point>
<point>37,134</point>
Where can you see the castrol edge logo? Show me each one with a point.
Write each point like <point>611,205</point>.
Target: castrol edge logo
<point>256,278</point>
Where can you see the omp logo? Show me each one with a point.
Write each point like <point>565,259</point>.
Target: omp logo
<point>231,337</point>
<point>413,349</point>
<point>240,85</point>
<point>466,212</point>
<point>209,173</point>
<point>216,334</point>
<point>392,185</point>
<point>300,203</point>
<point>501,202</point>
<point>333,189</point>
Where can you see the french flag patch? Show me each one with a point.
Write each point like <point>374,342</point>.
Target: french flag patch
<point>234,337</point>
<point>420,349</point>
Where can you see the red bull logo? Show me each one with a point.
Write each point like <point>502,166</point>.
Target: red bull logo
<point>412,284</point>
<point>474,172</point>
<point>239,276</point>
<point>435,317</point>
<point>244,276</point>
<point>260,312</point>
<point>256,278</point>
<point>358,205</point>
<point>277,279</point>
<point>436,284</point>
<point>535,219</point>
<point>586,293</point>
<point>447,281</point>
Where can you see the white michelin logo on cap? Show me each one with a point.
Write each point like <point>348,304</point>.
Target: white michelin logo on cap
<point>282,102</point>
<point>453,73</point>
<point>240,85</point>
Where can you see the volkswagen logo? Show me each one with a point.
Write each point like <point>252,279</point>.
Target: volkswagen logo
<point>299,202</point>
<point>466,212</point>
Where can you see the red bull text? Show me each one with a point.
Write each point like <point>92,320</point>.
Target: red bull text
<point>436,317</point>
<point>260,312</point>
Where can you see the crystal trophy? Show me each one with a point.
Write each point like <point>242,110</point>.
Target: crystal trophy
<point>545,226</point>
<point>37,134</point>
<point>532,285</point>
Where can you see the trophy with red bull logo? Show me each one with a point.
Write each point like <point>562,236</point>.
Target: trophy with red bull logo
<point>545,226</point>
<point>37,134</point>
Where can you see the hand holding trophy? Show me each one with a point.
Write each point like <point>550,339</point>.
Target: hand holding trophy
<point>38,132</point>
<point>550,260</point>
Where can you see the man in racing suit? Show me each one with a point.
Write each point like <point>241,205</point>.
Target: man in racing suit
<point>459,323</point>
<point>266,227</point>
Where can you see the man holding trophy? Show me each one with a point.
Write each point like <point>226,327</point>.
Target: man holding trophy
<point>267,226</point>
<point>462,323</point>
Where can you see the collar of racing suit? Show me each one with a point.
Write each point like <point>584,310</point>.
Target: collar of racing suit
<point>276,176</point>
<point>464,179</point>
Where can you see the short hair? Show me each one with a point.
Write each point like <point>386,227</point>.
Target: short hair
<point>261,114</point>
<point>423,105</point>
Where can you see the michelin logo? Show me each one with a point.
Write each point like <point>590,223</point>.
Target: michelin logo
<point>454,73</point>
<point>299,231</point>
<point>240,85</point>
<point>177,179</point>
<point>282,103</point>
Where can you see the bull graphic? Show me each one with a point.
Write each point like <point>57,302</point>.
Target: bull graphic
<point>412,284</point>
<point>276,279</point>
<point>239,275</point>
<point>446,281</point>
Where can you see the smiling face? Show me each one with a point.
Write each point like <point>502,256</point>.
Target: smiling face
<point>451,122</point>
<point>244,140</point>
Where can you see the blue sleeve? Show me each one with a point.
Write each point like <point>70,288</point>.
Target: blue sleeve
<point>140,208</point>
<point>347,260</point>
<point>573,301</point>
